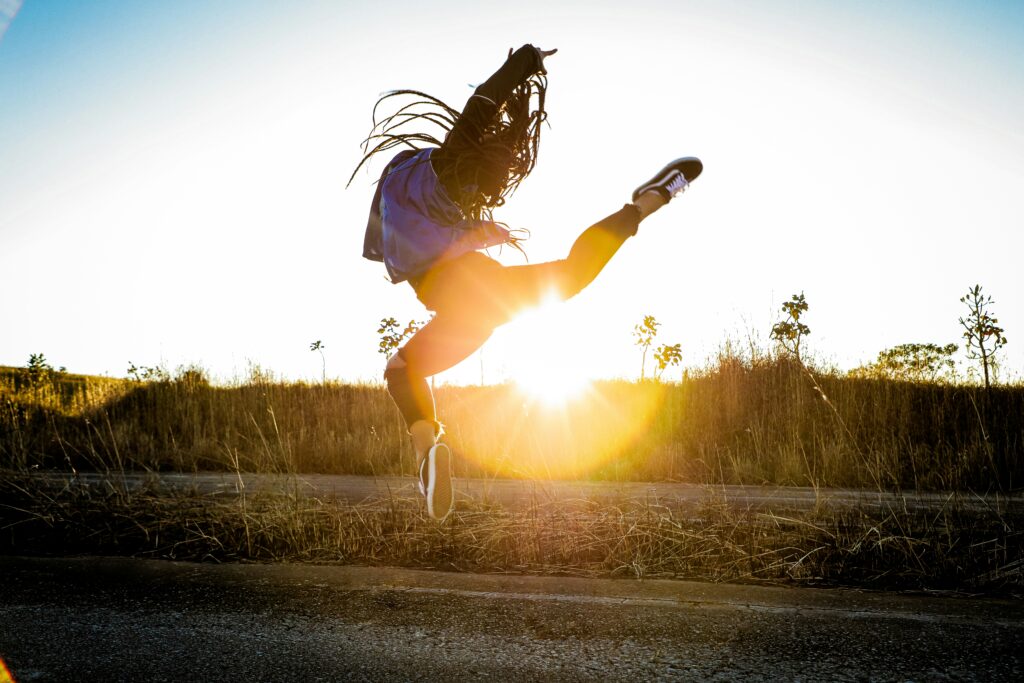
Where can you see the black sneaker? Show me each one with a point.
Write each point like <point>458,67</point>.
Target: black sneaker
<point>673,179</point>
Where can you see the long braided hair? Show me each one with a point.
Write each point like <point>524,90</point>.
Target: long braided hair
<point>477,168</point>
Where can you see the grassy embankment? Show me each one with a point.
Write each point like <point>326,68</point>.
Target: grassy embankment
<point>766,421</point>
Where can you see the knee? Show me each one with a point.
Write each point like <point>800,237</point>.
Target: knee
<point>409,391</point>
<point>395,362</point>
<point>396,369</point>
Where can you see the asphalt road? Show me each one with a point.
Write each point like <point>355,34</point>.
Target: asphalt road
<point>513,494</point>
<point>96,619</point>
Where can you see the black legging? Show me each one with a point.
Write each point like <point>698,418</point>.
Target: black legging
<point>474,294</point>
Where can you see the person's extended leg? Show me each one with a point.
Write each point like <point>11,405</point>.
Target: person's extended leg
<point>475,294</point>
<point>521,287</point>
<point>513,289</point>
<point>525,286</point>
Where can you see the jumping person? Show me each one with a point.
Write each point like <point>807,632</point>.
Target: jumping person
<point>431,217</point>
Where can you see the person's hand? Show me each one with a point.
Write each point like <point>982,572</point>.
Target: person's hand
<point>546,53</point>
<point>543,54</point>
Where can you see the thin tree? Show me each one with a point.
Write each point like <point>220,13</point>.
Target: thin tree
<point>644,334</point>
<point>391,336</point>
<point>319,346</point>
<point>789,332</point>
<point>984,337</point>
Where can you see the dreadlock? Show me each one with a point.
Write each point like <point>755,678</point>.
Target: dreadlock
<point>477,166</point>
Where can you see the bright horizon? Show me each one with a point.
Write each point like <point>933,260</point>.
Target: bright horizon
<point>172,176</point>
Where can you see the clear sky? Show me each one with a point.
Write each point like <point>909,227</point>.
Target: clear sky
<point>172,175</point>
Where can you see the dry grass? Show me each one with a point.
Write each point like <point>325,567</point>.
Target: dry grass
<point>951,549</point>
<point>741,421</point>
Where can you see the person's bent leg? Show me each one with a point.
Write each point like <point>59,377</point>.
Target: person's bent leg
<point>409,391</point>
<point>440,344</point>
<point>412,395</point>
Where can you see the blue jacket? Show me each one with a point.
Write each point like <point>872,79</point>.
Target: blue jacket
<point>413,225</point>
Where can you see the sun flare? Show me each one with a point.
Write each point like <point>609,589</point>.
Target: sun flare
<point>551,385</point>
<point>539,362</point>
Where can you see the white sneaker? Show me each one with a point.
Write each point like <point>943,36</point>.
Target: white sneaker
<point>439,490</point>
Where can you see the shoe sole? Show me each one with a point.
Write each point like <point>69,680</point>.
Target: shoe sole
<point>439,486</point>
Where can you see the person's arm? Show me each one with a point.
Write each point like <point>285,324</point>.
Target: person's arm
<point>484,104</point>
<point>519,66</point>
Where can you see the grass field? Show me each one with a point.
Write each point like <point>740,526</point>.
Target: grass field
<point>740,422</point>
<point>762,422</point>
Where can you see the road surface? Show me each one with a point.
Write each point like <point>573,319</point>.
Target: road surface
<point>98,619</point>
<point>512,493</point>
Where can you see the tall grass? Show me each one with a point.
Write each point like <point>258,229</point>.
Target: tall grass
<point>766,420</point>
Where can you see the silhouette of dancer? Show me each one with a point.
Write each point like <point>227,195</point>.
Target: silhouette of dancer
<point>431,217</point>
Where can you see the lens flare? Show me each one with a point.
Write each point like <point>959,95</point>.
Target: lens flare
<point>5,673</point>
<point>550,420</point>
<point>550,384</point>
<point>539,361</point>
<point>509,434</point>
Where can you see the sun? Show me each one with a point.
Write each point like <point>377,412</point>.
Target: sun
<point>550,384</point>
<point>544,366</point>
